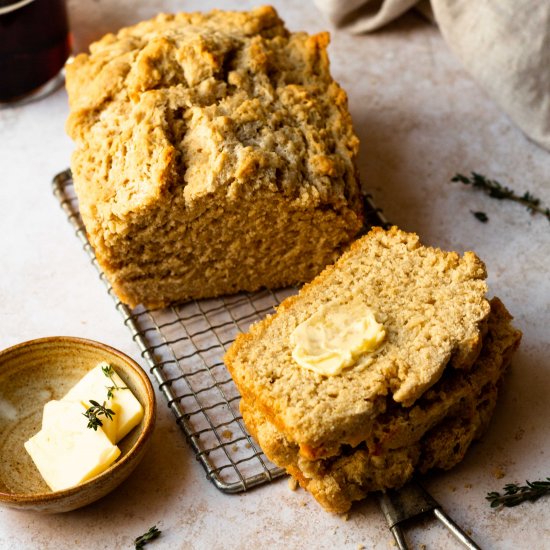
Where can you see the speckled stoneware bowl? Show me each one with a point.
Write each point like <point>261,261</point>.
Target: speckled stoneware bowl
<point>33,373</point>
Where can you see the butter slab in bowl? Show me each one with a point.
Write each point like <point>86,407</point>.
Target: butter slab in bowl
<point>38,371</point>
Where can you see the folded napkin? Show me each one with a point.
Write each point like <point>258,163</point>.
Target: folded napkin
<point>503,44</point>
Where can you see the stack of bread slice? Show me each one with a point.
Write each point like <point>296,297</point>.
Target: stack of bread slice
<point>414,402</point>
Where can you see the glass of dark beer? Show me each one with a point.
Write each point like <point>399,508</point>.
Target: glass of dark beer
<point>34,44</point>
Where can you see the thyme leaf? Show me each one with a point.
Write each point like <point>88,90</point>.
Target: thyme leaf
<point>496,190</point>
<point>481,216</point>
<point>108,371</point>
<point>516,494</point>
<point>152,534</point>
<point>93,412</point>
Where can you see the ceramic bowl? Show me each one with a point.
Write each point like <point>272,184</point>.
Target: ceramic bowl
<point>33,373</point>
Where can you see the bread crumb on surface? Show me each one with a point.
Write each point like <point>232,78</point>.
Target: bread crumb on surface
<point>292,483</point>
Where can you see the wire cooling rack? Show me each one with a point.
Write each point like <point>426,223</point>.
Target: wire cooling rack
<point>183,347</point>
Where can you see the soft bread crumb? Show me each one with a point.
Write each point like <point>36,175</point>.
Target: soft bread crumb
<point>292,483</point>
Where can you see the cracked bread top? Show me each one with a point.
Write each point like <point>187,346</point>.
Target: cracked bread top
<point>432,305</point>
<point>194,102</point>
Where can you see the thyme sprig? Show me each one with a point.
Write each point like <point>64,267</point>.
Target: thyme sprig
<point>152,534</point>
<point>496,190</point>
<point>108,371</point>
<point>93,412</point>
<point>516,494</point>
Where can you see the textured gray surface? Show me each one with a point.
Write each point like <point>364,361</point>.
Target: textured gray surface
<point>420,119</point>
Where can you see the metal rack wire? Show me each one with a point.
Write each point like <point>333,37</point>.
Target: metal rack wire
<point>183,347</point>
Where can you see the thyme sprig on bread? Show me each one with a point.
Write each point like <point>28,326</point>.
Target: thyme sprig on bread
<point>496,190</point>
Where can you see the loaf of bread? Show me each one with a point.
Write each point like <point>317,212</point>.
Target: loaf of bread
<point>215,153</point>
<point>426,394</point>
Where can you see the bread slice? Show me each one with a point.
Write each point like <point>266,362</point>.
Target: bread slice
<point>432,305</point>
<point>215,153</point>
<point>338,482</point>
<point>435,433</point>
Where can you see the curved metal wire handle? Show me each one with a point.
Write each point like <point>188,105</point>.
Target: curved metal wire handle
<point>412,501</point>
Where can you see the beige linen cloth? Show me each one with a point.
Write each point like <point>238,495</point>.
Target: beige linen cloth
<point>504,44</point>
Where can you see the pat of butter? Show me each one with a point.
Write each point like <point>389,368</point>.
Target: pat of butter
<point>108,425</point>
<point>335,337</point>
<point>67,452</point>
<point>94,386</point>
